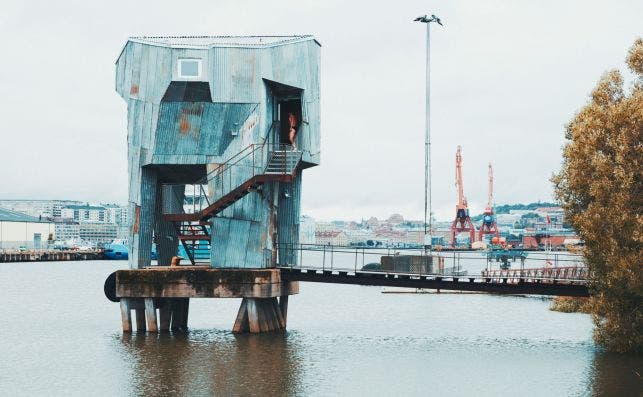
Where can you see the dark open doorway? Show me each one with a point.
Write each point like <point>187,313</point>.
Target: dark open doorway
<point>283,99</point>
<point>286,107</point>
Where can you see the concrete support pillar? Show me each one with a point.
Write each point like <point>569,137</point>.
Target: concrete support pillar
<point>259,315</point>
<point>169,200</point>
<point>126,315</point>
<point>140,320</point>
<point>180,311</point>
<point>150,315</point>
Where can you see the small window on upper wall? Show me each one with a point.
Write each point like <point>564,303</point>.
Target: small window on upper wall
<point>189,68</point>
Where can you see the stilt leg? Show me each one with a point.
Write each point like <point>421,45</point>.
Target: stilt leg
<point>165,315</point>
<point>126,315</point>
<point>140,320</point>
<point>180,309</point>
<point>186,312</point>
<point>283,305</point>
<point>241,323</point>
<point>271,321</point>
<point>277,310</point>
<point>150,315</point>
<point>175,309</point>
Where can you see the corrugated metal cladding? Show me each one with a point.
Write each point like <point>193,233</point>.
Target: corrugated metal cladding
<point>198,127</point>
<point>169,200</point>
<point>191,132</point>
<point>289,213</point>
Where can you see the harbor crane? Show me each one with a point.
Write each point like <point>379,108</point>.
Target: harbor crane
<point>489,225</point>
<point>462,222</point>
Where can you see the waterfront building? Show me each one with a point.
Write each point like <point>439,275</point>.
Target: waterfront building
<point>38,208</point>
<point>359,237</point>
<point>207,101</point>
<point>395,219</point>
<point>84,213</point>
<point>331,238</point>
<point>94,233</point>
<point>18,230</point>
<point>325,227</point>
<point>306,230</point>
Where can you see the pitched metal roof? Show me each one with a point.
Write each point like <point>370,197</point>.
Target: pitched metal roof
<point>14,216</point>
<point>204,42</point>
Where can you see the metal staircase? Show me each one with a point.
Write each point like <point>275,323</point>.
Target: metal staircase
<point>230,182</point>
<point>195,238</point>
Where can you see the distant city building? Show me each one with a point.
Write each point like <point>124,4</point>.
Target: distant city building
<point>306,230</point>
<point>84,213</point>
<point>18,230</point>
<point>96,234</point>
<point>38,208</point>
<point>372,222</point>
<point>395,219</point>
<point>331,238</point>
<point>325,227</point>
<point>359,237</point>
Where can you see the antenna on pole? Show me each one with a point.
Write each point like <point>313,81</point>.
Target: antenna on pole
<point>427,130</point>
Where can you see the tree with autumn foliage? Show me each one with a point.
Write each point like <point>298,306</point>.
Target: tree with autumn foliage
<point>600,187</point>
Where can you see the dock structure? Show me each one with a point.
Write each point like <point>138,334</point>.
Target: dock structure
<point>50,255</point>
<point>220,129</point>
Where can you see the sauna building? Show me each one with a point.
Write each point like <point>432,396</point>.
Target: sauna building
<point>213,161</point>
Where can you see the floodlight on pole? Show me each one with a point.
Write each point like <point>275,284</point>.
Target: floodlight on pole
<point>427,129</point>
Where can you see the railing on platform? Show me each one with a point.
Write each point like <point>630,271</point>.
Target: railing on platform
<point>253,160</point>
<point>542,266</point>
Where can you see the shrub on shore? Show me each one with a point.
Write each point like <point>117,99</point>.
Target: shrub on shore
<point>568,304</point>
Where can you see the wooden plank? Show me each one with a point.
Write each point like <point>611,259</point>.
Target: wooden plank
<point>253,316</point>
<point>241,323</point>
<point>274,318</point>
<point>280,317</point>
<point>266,315</point>
<point>150,315</point>
<point>126,315</point>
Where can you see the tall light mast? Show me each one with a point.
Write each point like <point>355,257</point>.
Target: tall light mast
<point>427,127</point>
<point>489,225</point>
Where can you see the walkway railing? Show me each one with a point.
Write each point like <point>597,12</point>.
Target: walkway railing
<point>536,266</point>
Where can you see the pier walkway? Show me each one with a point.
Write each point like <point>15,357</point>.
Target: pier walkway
<point>560,274</point>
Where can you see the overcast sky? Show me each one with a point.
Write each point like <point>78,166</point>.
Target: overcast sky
<point>506,78</point>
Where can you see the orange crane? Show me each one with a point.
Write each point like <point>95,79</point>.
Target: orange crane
<point>462,221</point>
<point>489,225</point>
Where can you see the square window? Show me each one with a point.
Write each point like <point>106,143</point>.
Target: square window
<point>189,68</point>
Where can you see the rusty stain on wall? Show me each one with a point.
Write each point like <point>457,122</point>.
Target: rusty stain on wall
<point>184,124</point>
<point>137,216</point>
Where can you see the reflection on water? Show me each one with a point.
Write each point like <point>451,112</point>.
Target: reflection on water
<point>60,336</point>
<point>617,375</point>
<point>211,363</point>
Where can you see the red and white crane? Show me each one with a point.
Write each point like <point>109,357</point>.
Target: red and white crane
<point>489,225</point>
<point>462,222</point>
